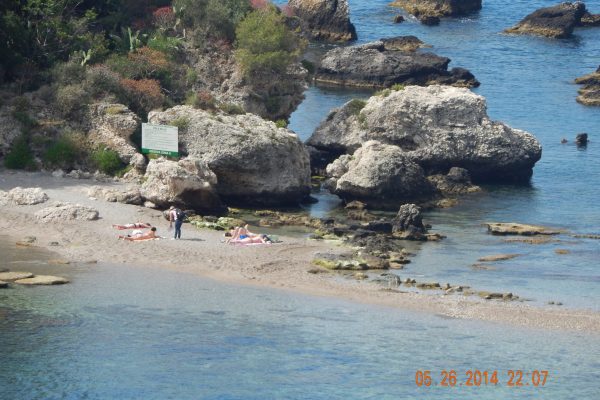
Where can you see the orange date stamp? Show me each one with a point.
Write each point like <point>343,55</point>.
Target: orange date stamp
<point>476,378</point>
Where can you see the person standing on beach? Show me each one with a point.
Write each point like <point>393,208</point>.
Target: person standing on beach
<point>177,216</point>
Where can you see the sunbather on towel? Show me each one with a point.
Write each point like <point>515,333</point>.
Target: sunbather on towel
<point>258,239</point>
<point>137,225</point>
<point>151,234</point>
<point>239,232</point>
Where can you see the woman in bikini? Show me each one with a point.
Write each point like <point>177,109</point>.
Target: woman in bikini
<point>137,225</point>
<point>151,234</point>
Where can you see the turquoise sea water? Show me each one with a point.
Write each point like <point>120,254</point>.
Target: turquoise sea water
<point>528,84</point>
<point>120,332</point>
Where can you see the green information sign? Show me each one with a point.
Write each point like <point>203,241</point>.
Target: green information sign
<point>160,139</point>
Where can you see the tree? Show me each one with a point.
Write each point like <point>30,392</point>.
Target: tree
<point>264,43</point>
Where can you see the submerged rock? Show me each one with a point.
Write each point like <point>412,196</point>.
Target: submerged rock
<point>512,228</point>
<point>438,8</point>
<point>255,162</point>
<point>379,65</point>
<point>436,127</point>
<point>497,257</point>
<point>43,280</point>
<point>14,275</point>
<point>327,20</point>
<point>187,183</point>
<point>589,94</point>
<point>555,22</point>
<point>457,181</point>
<point>65,212</point>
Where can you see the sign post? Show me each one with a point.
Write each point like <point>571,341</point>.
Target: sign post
<point>160,139</point>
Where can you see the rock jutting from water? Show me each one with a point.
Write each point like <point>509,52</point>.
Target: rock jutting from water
<point>425,9</point>
<point>512,228</point>
<point>255,162</point>
<point>327,20</point>
<point>589,94</point>
<point>44,280</point>
<point>557,21</point>
<point>420,131</point>
<point>381,64</point>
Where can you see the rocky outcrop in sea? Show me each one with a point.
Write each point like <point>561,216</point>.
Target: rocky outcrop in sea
<point>589,94</point>
<point>424,9</point>
<point>382,64</point>
<point>420,131</point>
<point>557,21</point>
<point>255,162</point>
<point>327,20</point>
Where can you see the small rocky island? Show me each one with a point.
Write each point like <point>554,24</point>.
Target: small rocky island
<point>387,62</point>
<point>326,20</point>
<point>382,151</point>
<point>430,11</point>
<point>589,94</point>
<point>557,21</point>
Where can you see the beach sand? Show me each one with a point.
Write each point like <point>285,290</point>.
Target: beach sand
<point>202,252</point>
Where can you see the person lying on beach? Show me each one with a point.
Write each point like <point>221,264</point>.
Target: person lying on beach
<point>258,239</point>
<point>151,234</point>
<point>239,232</point>
<point>136,225</point>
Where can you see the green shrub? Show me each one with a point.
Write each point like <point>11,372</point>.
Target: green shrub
<point>68,73</point>
<point>21,104</point>
<point>20,155</point>
<point>62,153</point>
<point>168,45</point>
<point>356,105</point>
<point>212,18</point>
<point>202,99</point>
<point>264,43</point>
<point>232,109</point>
<point>25,119</point>
<point>181,122</point>
<point>72,100</point>
<point>310,67</point>
<point>397,86</point>
<point>101,80</point>
<point>107,161</point>
<point>383,93</point>
<point>281,123</point>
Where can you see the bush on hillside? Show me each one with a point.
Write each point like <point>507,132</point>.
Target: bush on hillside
<point>142,95</point>
<point>72,100</point>
<point>20,155</point>
<point>264,43</point>
<point>62,154</point>
<point>101,80</point>
<point>107,161</point>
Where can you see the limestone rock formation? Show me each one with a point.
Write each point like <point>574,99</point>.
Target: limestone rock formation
<point>379,64</point>
<point>327,20</point>
<point>43,280</point>
<point>65,212</point>
<point>188,183</point>
<point>513,228</point>
<point>129,196</point>
<point>438,8</point>
<point>25,196</point>
<point>378,174</point>
<point>11,276</point>
<point>437,127</point>
<point>589,94</point>
<point>403,43</point>
<point>112,125</point>
<point>255,162</point>
<point>555,22</point>
<point>457,181</point>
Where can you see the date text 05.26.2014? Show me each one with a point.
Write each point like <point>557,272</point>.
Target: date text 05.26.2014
<point>475,378</point>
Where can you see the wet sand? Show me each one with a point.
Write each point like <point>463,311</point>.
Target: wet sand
<point>202,252</point>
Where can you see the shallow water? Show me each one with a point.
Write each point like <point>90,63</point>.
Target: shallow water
<point>120,332</point>
<point>528,84</point>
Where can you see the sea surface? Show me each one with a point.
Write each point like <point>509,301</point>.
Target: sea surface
<point>123,332</point>
<point>528,84</point>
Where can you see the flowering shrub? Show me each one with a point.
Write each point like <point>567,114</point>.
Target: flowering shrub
<point>164,18</point>
<point>143,95</point>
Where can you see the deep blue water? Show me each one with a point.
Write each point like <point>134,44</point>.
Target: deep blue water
<point>120,332</point>
<point>528,84</point>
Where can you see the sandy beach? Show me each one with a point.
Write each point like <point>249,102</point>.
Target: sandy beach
<point>202,252</point>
